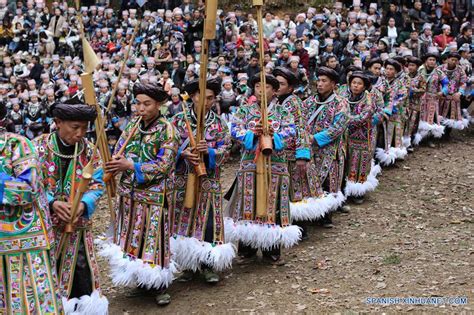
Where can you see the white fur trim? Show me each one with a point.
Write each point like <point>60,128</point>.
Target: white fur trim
<point>262,236</point>
<point>399,153</point>
<point>425,129</point>
<point>190,253</point>
<point>455,124</point>
<point>311,208</point>
<point>406,141</point>
<point>467,116</point>
<point>340,199</point>
<point>386,158</point>
<point>417,139</point>
<point>360,189</point>
<point>127,272</point>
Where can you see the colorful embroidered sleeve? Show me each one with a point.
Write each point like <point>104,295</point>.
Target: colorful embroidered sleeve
<point>337,128</point>
<point>302,144</point>
<point>19,185</point>
<point>365,115</point>
<point>287,128</point>
<point>219,149</point>
<point>238,128</point>
<point>164,161</point>
<point>96,188</point>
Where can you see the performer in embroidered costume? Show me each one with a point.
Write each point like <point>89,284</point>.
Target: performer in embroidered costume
<point>328,120</point>
<point>198,241</point>
<point>390,136</point>
<point>436,86</point>
<point>274,230</point>
<point>415,94</point>
<point>450,105</point>
<point>307,199</point>
<point>78,271</point>
<point>361,171</point>
<point>141,253</point>
<point>28,282</point>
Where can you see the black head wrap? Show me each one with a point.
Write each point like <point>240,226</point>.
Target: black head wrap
<point>428,55</point>
<point>393,63</point>
<point>415,60</point>
<point>286,73</point>
<point>454,55</point>
<point>401,60</point>
<point>154,91</point>
<point>373,61</point>
<point>268,77</point>
<point>361,75</point>
<point>74,112</point>
<point>330,73</point>
<point>193,86</point>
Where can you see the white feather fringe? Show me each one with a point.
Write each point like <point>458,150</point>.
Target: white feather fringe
<point>311,209</point>
<point>95,304</point>
<point>190,253</point>
<point>360,189</point>
<point>467,116</point>
<point>417,139</point>
<point>456,124</point>
<point>399,153</point>
<point>426,129</point>
<point>125,271</point>
<point>406,141</point>
<point>386,158</point>
<point>261,236</point>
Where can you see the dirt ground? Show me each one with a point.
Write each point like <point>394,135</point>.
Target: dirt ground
<point>413,237</point>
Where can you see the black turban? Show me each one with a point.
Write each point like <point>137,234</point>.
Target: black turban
<point>454,55</point>
<point>74,112</point>
<point>268,77</point>
<point>430,54</point>
<point>361,75</point>
<point>373,61</point>
<point>286,73</point>
<point>193,86</point>
<point>393,63</point>
<point>416,61</point>
<point>154,91</point>
<point>330,73</point>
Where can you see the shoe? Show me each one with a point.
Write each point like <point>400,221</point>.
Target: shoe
<point>163,299</point>
<point>431,145</point>
<point>358,200</point>
<point>345,209</point>
<point>274,260</point>
<point>139,292</point>
<point>210,276</point>
<point>186,276</point>
<point>410,149</point>
<point>242,260</point>
<point>328,225</point>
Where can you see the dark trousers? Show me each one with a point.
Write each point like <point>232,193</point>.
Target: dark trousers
<point>248,252</point>
<point>82,282</point>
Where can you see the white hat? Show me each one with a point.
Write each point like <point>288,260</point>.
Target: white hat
<point>373,6</point>
<point>294,59</point>
<point>226,80</point>
<point>445,27</point>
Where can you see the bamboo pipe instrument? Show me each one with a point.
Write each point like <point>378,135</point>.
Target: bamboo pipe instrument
<point>209,34</point>
<point>199,170</point>
<point>87,173</point>
<point>265,146</point>
<point>73,174</point>
<point>108,176</point>
<point>266,142</point>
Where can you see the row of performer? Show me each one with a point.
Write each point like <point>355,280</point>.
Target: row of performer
<point>170,223</point>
